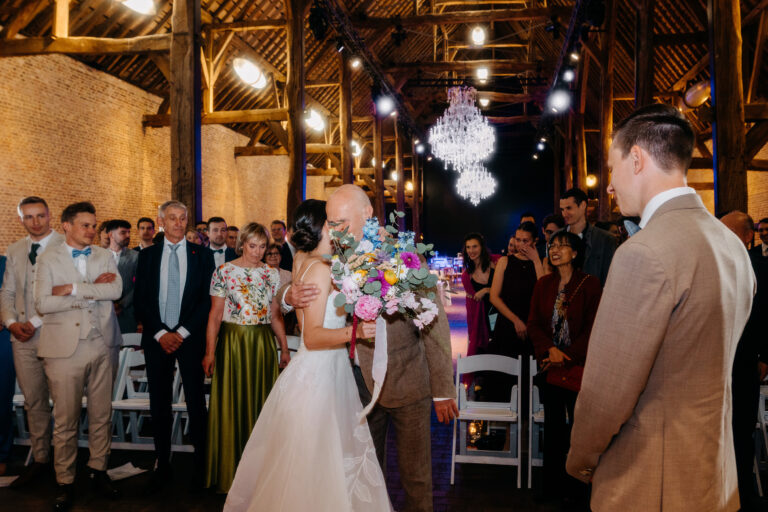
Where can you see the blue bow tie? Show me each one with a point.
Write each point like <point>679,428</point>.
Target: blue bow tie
<point>85,252</point>
<point>631,227</point>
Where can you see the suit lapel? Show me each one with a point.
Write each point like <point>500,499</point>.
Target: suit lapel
<point>191,270</point>
<point>156,256</point>
<point>68,263</point>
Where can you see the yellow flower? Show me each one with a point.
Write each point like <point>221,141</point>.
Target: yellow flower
<point>390,277</point>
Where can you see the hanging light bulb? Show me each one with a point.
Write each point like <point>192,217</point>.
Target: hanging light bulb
<point>574,56</point>
<point>355,62</point>
<point>419,148</point>
<point>356,149</point>
<point>409,186</point>
<point>478,36</point>
<point>250,73</point>
<point>384,105</point>
<point>535,156</point>
<point>591,180</point>
<point>559,100</point>
<point>141,6</point>
<point>314,120</point>
<point>482,74</point>
<point>373,162</point>
<point>484,102</point>
<point>569,75</point>
<point>540,146</point>
<point>393,176</point>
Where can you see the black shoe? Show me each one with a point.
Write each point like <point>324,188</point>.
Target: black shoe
<point>101,483</point>
<point>160,478</point>
<point>29,474</point>
<point>65,498</point>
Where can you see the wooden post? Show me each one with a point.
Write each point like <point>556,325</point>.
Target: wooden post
<point>345,118</point>
<point>644,54</point>
<point>568,152</point>
<point>606,111</point>
<point>185,100</point>
<point>61,19</point>
<point>379,207</point>
<point>294,88</point>
<point>728,132</point>
<point>416,197</point>
<point>580,142</point>
<point>208,71</point>
<point>400,175</point>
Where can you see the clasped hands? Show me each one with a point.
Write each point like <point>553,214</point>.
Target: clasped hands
<point>170,342</point>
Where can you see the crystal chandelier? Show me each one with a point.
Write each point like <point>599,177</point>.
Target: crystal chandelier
<point>475,183</point>
<point>462,136</point>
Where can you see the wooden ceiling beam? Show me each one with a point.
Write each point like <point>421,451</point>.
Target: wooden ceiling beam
<point>246,25</point>
<point>513,119</point>
<point>466,67</point>
<point>706,163</point>
<point>23,17</point>
<point>225,117</point>
<point>461,17</point>
<point>312,148</point>
<point>86,45</point>
<point>685,38</point>
<point>755,111</point>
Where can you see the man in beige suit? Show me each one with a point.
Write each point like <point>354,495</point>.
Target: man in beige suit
<point>17,310</point>
<point>652,427</point>
<point>75,287</point>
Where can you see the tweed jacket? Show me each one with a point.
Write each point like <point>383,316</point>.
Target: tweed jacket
<point>652,422</point>
<point>68,318</point>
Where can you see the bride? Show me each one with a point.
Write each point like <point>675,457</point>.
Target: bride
<point>308,450</point>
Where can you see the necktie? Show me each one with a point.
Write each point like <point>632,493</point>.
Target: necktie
<point>172,300</point>
<point>85,252</point>
<point>631,227</point>
<point>218,251</point>
<point>33,253</point>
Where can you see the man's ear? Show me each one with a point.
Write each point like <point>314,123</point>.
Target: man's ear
<point>637,158</point>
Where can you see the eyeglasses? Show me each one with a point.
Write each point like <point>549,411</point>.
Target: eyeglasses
<point>558,246</point>
<point>273,254</point>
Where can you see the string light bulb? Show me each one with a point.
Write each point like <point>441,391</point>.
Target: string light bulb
<point>478,36</point>
<point>315,121</point>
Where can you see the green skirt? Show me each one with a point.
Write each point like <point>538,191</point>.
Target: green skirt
<point>245,370</point>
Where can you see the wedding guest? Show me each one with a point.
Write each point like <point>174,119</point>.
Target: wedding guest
<point>194,237</point>
<point>205,241</point>
<point>75,286</point>
<point>761,249</point>
<point>7,389</point>
<point>599,245</point>
<point>240,352</point>
<point>232,234</point>
<point>563,309</point>
<point>202,227</point>
<point>477,278</point>
<point>22,320</point>
<point>146,228</point>
<point>119,239</point>
<point>217,231</point>
<point>102,237</point>
<point>172,303</point>
<point>612,228</point>
<point>552,223</point>
<point>279,231</point>
<point>272,258</point>
<point>676,301</point>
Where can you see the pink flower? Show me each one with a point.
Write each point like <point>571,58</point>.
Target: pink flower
<point>384,284</point>
<point>391,306</point>
<point>410,260</point>
<point>350,290</point>
<point>368,308</point>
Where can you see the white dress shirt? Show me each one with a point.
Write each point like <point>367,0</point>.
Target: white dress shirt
<point>219,257</point>
<point>659,199</point>
<point>181,253</point>
<point>116,256</point>
<point>81,264</point>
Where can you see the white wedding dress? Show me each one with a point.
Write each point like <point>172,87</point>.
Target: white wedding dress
<point>308,450</point>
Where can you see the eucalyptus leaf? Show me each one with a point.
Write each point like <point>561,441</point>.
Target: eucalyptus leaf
<point>368,288</point>
<point>373,272</point>
<point>431,281</point>
<point>376,285</point>
<point>430,247</point>
<point>390,229</point>
<point>431,295</point>
<point>339,300</point>
<point>392,218</point>
<point>400,214</point>
<point>421,272</point>
<point>421,248</point>
<point>349,308</point>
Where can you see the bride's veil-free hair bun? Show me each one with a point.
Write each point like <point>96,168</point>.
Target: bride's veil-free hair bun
<point>308,225</point>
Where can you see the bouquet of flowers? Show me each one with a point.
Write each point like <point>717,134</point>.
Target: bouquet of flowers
<point>382,274</point>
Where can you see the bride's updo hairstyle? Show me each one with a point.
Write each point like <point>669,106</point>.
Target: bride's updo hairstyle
<point>308,225</point>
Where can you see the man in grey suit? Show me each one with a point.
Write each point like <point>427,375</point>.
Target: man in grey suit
<point>75,288</point>
<point>18,312</point>
<point>652,423</point>
<point>126,260</point>
<point>599,245</point>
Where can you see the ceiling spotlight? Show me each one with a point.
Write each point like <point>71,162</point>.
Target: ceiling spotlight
<point>535,156</point>
<point>393,176</point>
<point>314,120</point>
<point>416,141</point>
<point>591,180</point>
<point>429,158</point>
<point>141,6</point>
<point>574,56</point>
<point>384,105</point>
<point>419,148</point>
<point>250,73</point>
<point>559,100</point>
<point>482,74</point>
<point>355,62</point>
<point>409,186</point>
<point>356,149</point>
<point>478,36</point>
<point>543,139</point>
<point>373,162</point>
<point>569,74</point>
<point>339,45</point>
<point>393,114</point>
<point>484,102</point>
<point>540,146</point>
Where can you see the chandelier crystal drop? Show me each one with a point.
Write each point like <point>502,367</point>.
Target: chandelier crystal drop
<point>475,183</point>
<point>462,136</point>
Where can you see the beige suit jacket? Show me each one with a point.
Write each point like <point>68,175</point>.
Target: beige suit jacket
<point>68,318</point>
<point>653,418</point>
<point>420,364</point>
<point>14,296</point>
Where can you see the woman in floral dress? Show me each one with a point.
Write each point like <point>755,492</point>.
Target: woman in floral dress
<point>240,351</point>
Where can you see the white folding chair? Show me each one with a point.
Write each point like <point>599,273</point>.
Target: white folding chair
<point>503,412</point>
<point>129,399</point>
<point>131,339</point>
<point>535,422</point>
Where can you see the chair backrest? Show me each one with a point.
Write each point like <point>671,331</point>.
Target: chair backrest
<point>132,339</point>
<point>533,391</point>
<point>133,358</point>
<point>488,363</point>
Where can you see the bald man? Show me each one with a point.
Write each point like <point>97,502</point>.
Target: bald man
<point>750,366</point>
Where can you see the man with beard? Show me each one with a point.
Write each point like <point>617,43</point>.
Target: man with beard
<point>119,238</point>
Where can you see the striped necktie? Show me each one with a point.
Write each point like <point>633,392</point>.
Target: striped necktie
<point>172,299</point>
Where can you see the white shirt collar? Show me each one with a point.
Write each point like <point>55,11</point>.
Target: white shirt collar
<point>659,199</point>
<point>214,248</point>
<point>181,244</point>
<point>765,250</point>
<point>71,249</point>
<point>43,241</point>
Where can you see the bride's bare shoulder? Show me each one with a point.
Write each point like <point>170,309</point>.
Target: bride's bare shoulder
<point>314,268</point>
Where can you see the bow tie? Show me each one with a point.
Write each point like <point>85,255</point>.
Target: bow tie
<point>85,252</point>
<point>631,227</point>
<point>218,251</point>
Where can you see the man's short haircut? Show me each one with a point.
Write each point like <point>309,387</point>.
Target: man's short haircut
<point>117,224</point>
<point>171,204</point>
<point>233,228</point>
<point>527,214</point>
<point>554,218</point>
<point>763,221</point>
<point>145,219</point>
<point>215,220</point>
<point>281,223</point>
<point>31,200</point>
<point>577,194</point>
<point>71,211</point>
<point>661,130</point>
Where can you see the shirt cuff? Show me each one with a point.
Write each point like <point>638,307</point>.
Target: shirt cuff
<point>36,321</point>
<point>284,306</point>
<point>441,399</point>
<point>159,334</point>
<point>184,333</point>
<point>9,322</point>
<point>73,293</point>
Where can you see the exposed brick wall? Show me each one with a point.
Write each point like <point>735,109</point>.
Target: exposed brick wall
<point>72,133</point>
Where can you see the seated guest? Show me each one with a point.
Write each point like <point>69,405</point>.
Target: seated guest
<point>240,352</point>
<point>172,302</point>
<point>194,237</point>
<point>232,234</point>
<point>146,228</point>
<point>119,238</point>
<point>217,232</point>
<point>563,309</point>
<point>477,278</point>
<point>102,237</point>
<point>761,249</point>
<point>7,388</point>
